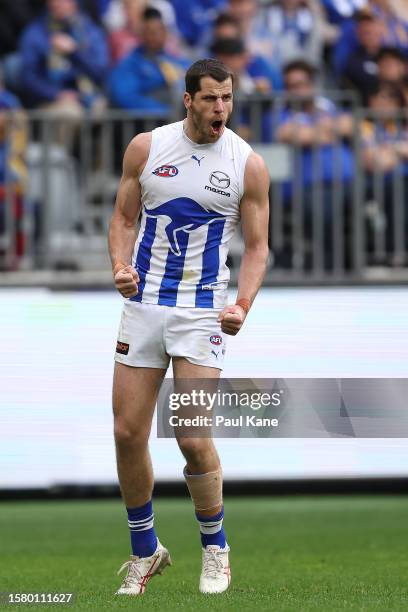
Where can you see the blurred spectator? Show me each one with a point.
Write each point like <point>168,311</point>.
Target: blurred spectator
<point>226,26</point>
<point>147,77</point>
<point>195,17</point>
<point>124,39</point>
<point>296,32</point>
<point>384,138</point>
<point>13,172</point>
<point>394,32</point>
<point>393,68</point>
<point>322,157</point>
<point>12,142</point>
<point>253,26</point>
<point>253,73</point>
<point>64,60</point>
<point>15,15</point>
<point>384,135</point>
<point>361,69</point>
<point>115,16</point>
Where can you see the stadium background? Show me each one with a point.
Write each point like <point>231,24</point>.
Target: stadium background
<point>334,305</point>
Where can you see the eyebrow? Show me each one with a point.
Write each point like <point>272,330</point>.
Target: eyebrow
<point>212,95</point>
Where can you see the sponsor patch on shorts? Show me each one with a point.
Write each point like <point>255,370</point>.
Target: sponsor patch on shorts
<point>122,348</point>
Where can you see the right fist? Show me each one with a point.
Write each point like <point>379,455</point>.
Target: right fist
<point>126,280</point>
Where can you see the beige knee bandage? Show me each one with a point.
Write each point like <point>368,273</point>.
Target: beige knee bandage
<point>205,489</point>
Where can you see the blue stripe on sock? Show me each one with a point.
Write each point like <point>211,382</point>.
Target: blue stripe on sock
<point>144,542</point>
<point>212,539</point>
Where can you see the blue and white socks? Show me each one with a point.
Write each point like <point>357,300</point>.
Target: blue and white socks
<point>212,530</point>
<point>142,535</point>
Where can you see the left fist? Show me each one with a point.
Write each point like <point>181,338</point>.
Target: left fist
<point>232,319</point>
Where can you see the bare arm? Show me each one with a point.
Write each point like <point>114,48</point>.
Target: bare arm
<point>325,131</point>
<point>255,222</point>
<point>122,229</point>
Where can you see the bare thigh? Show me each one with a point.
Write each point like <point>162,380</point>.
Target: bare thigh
<point>183,368</point>
<point>134,397</point>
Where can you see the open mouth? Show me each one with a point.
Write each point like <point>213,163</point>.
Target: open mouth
<point>216,126</point>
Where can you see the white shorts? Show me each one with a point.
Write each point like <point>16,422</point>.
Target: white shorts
<point>150,334</point>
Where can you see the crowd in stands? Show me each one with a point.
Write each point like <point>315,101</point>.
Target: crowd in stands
<point>83,56</point>
<point>131,52</point>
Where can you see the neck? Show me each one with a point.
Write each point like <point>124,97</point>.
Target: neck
<point>195,135</point>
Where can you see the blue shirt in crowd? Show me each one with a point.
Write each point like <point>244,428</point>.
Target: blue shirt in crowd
<point>45,75</point>
<point>323,162</point>
<point>139,80</point>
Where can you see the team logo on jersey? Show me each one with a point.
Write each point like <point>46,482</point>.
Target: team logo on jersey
<point>166,171</point>
<point>216,339</point>
<point>220,179</point>
<point>185,215</point>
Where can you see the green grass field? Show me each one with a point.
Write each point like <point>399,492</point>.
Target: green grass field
<point>292,553</point>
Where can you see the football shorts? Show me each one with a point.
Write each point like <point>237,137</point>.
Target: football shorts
<point>151,334</point>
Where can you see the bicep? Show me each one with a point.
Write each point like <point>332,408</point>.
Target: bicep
<point>255,203</point>
<point>128,199</point>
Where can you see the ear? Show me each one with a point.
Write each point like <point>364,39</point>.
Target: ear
<point>187,100</point>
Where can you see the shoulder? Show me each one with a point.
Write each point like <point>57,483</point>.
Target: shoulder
<point>237,141</point>
<point>256,179</point>
<point>169,130</point>
<point>137,153</point>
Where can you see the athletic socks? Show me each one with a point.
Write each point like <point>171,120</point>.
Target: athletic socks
<point>142,535</point>
<point>211,529</point>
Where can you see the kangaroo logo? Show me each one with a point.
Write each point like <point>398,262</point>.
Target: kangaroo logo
<point>185,215</point>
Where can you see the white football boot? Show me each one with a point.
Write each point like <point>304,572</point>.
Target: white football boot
<point>216,575</point>
<point>141,569</point>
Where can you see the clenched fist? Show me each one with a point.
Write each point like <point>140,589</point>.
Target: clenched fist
<point>126,280</point>
<point>231,319</point>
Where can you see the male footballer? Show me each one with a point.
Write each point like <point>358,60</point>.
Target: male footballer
<point>191,182</point>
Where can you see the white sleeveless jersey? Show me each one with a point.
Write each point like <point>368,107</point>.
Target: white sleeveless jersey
<point>190,196</point>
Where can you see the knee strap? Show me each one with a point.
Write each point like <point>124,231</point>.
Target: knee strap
<point>205,489</point>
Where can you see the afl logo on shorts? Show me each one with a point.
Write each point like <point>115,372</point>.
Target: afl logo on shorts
<point>216,339</point>
<point>166,171</point>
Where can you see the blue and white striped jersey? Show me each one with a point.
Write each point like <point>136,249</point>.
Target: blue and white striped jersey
<point>191,197</point>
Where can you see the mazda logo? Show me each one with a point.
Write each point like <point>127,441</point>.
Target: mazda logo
<point>220,179</point>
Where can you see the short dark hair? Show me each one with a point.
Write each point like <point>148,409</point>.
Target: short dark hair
<point>303,66</point>
<point>390,89</point>
<point>152,13</point>
<point>206,67</point>
<point>225,19</point>
<point>391,52</point>
<point>364,15</point>
<point>228,46</point>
